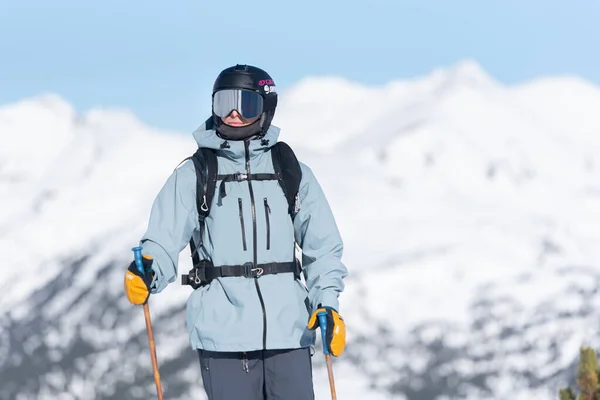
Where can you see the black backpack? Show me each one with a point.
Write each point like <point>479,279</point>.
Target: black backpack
<point>287,172</point>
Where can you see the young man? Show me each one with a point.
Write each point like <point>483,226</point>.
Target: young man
<point>252,320</point>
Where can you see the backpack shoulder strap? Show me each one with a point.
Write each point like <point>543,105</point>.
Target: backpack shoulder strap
<point>288,171</point>
<point>206,166</point>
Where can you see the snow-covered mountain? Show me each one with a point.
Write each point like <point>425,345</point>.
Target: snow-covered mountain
<point>469,209</point>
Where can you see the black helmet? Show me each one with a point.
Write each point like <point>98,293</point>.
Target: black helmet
<point>249,78</point>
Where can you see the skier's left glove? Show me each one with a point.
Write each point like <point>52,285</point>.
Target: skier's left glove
<point>335,333</point>
<point>137,285</point>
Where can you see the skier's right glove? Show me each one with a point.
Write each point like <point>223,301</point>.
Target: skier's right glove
<point>335,335</point>
<point>137,285</point>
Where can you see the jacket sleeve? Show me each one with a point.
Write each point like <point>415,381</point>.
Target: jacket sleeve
<point>322,247</point>
<point>172,221</point>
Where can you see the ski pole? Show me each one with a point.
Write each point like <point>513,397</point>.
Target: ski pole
<point>323,323</point>
<point>137,254</point>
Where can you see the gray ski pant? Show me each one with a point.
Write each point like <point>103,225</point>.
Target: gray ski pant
<point>258,375</point>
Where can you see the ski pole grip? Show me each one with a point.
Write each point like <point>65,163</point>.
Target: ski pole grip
<point>323,324</point>
<point>137,255</point>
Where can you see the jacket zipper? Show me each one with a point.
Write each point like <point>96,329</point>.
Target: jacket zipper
<point>242,224</point>
<point>267,212</point>
<point>255,259</point>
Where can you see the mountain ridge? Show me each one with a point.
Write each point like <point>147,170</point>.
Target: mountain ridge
<point>477,199</point>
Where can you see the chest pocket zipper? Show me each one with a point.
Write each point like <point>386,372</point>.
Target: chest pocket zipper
<point>242,223</point>
<point>267,218</point>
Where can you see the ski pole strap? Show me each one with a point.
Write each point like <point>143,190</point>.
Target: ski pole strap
<point>323,324</point>
<point>137,255</point>
<point>204,272</point>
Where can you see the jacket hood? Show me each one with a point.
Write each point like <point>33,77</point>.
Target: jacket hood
<point>206,136</point>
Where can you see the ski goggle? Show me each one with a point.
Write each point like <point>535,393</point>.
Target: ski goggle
<point>247,103</point>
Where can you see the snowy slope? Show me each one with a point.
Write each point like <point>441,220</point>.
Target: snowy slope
<point>468,208</point>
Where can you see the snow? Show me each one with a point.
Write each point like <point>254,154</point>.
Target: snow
<point>449,190</point>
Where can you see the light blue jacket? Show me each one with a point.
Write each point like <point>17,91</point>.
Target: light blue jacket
<point>227,315</point>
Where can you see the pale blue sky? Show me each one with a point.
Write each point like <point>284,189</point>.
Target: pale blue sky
<point>160,60</point>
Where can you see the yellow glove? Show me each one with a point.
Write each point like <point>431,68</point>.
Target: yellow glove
<point>335,333</point>
<point>137,285</point>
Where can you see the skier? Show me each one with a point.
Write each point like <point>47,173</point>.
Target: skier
<point>251,318</point>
